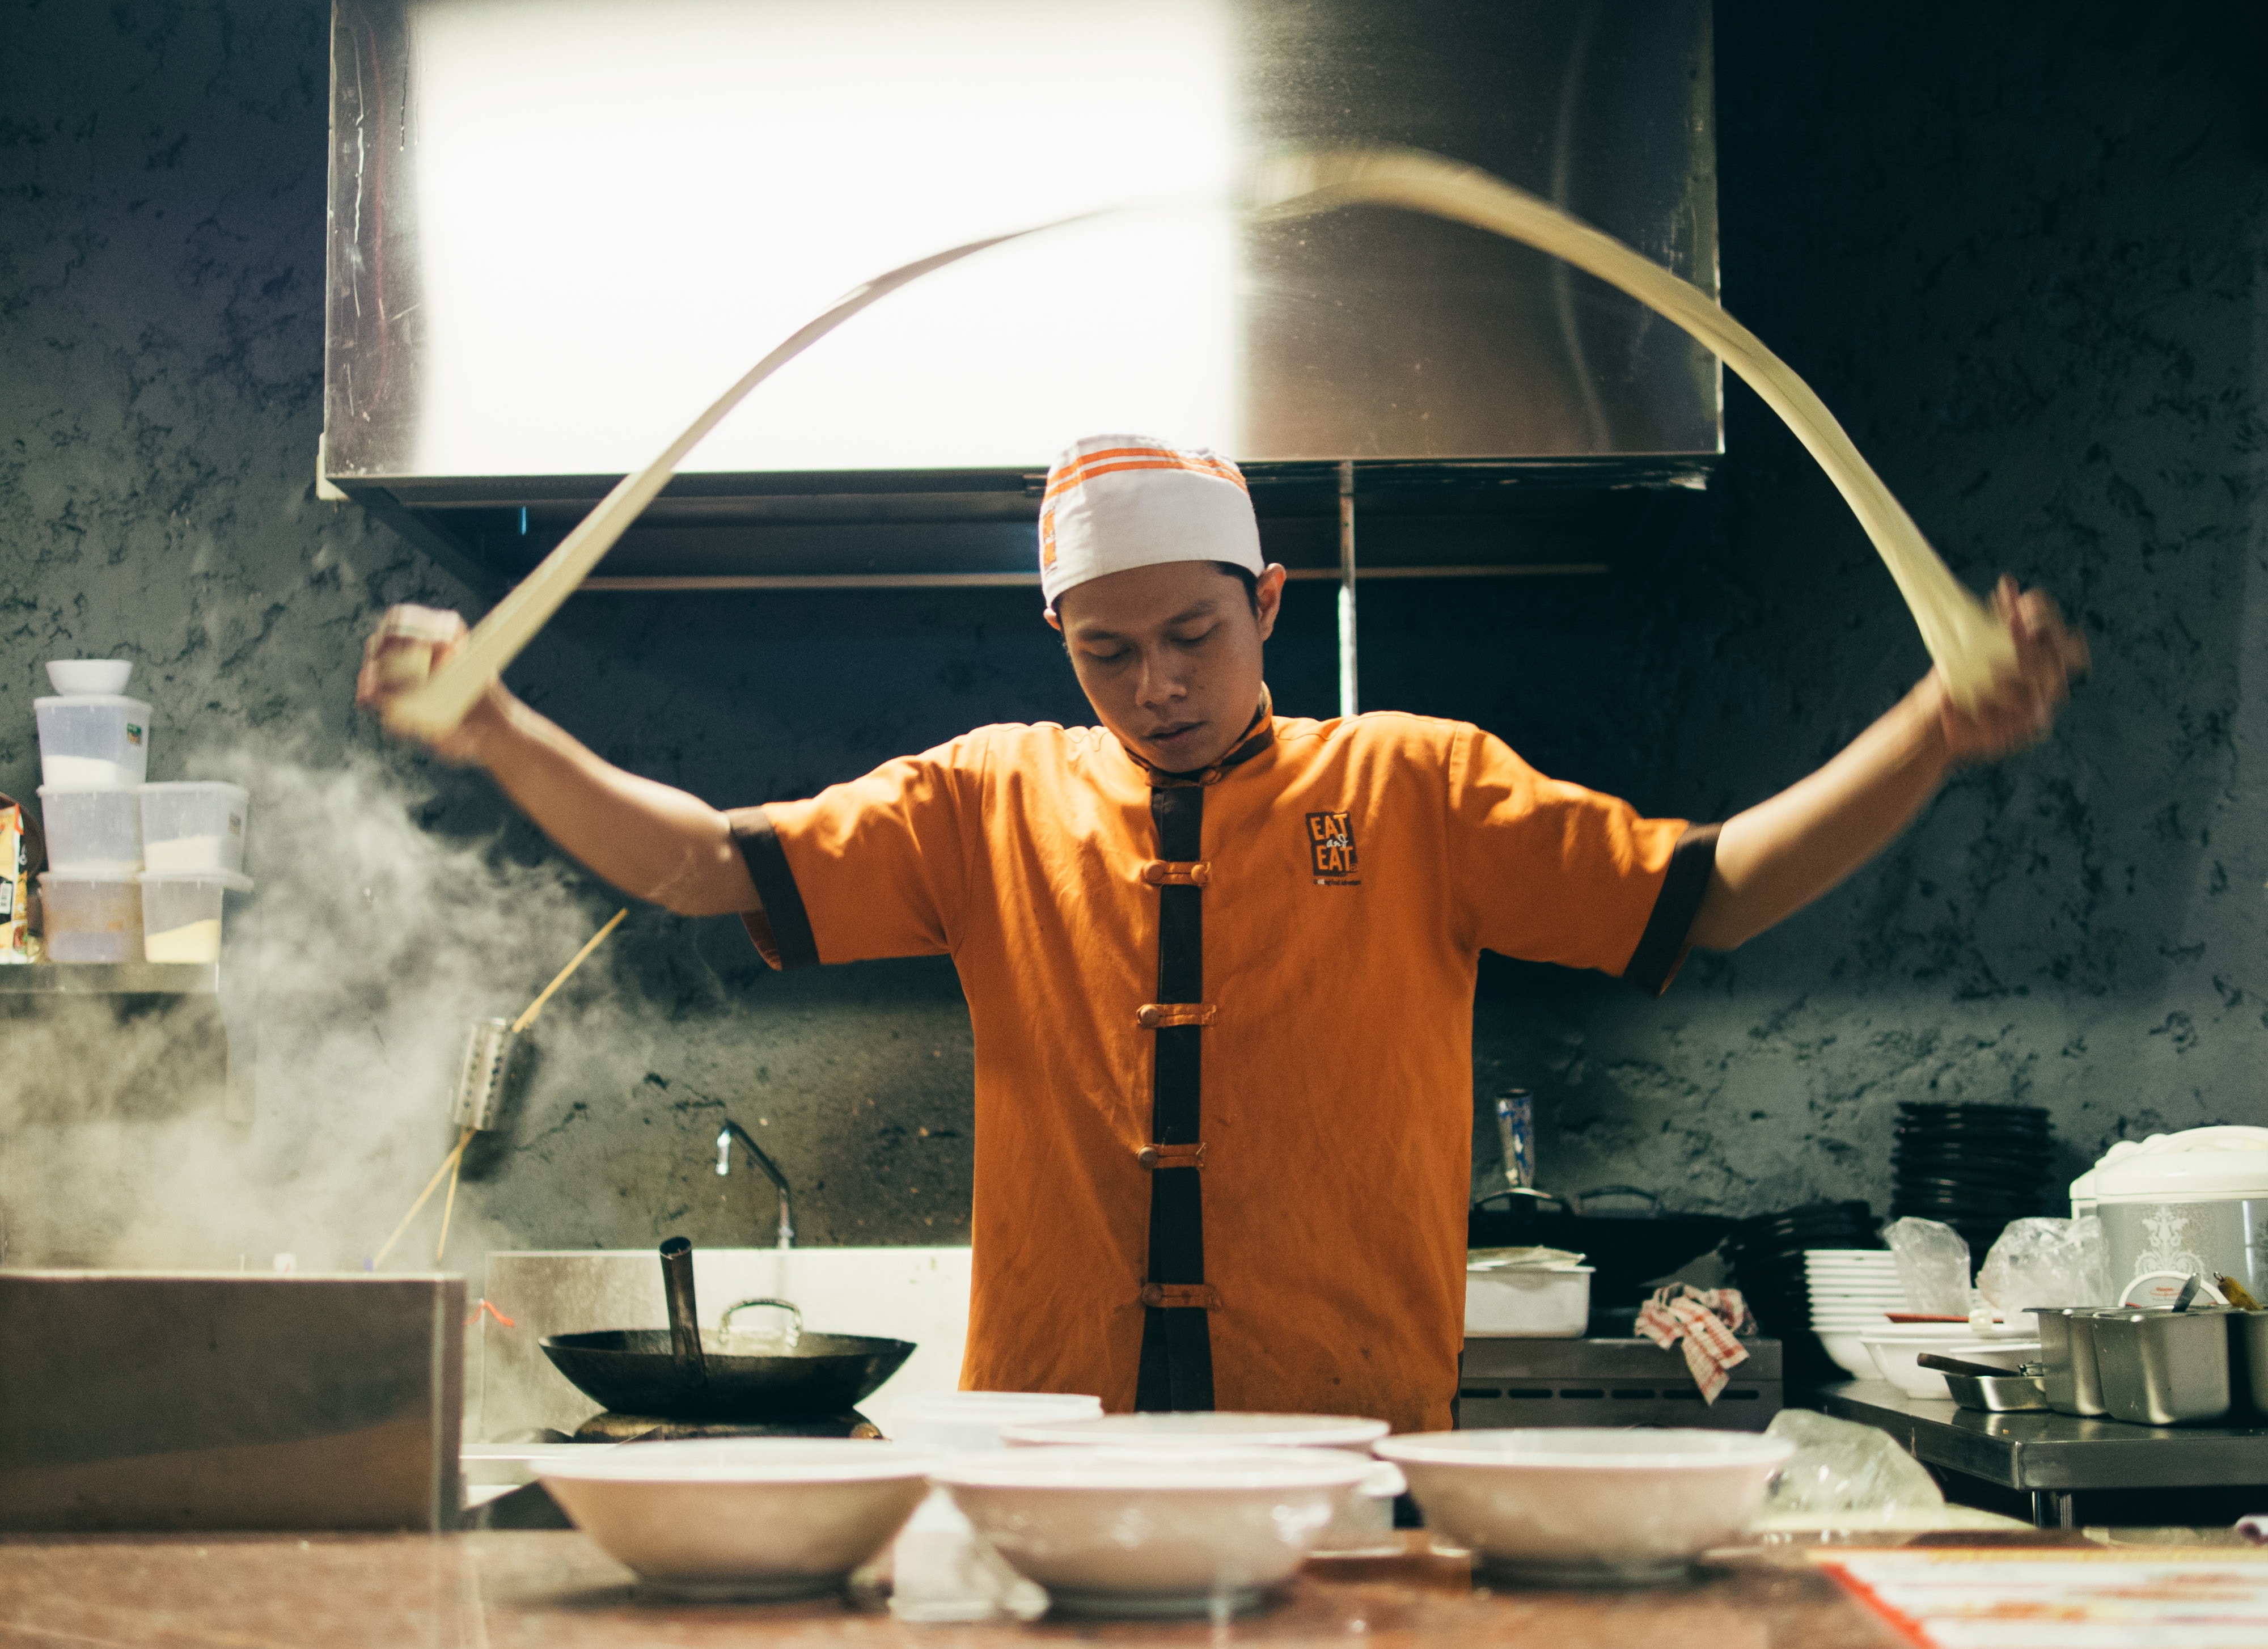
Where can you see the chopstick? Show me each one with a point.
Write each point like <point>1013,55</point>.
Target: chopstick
<point>536,1007</point>
<point>449,1202</point>
<point>447,1163</point>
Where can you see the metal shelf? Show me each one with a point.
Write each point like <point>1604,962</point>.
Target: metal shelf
<point>111,979</point>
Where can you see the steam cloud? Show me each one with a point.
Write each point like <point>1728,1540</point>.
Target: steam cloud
<point>369,944</point>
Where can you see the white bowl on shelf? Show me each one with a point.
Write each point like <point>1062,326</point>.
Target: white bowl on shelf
<point>756,1518</point>
<point>1154,1534</point>
<point>1848,1352</point>
<point>90,675</point>
<point>1581,1506</point>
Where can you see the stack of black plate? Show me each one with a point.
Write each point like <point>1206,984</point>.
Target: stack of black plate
<point>1975,1167</point>
<point>1767,1256</point>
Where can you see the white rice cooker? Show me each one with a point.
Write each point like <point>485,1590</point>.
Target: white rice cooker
<point>2176,1205</point>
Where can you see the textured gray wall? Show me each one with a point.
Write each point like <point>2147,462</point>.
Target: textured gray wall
<point>2023,265</point>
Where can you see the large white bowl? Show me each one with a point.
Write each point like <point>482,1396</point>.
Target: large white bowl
<point>755,1518</point>
<point>1848,1352</point>
<point>1205,1432</point>
<point>1364,1525</point>
<point>1153,1533</point>
<point>1585,1506</point>
<point>980,1419</point>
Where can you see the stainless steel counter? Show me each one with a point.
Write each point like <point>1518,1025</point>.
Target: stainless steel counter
<point>2054,1455</point>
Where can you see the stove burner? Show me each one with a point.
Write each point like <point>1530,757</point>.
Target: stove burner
<point>626,1428</point>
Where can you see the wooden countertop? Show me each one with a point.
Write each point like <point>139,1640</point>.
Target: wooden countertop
<point>522,1590</point>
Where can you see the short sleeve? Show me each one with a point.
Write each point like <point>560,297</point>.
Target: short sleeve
<point>872,867</point>
<point>1551,871</point>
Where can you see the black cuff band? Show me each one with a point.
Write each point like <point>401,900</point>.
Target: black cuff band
<point>1684,886</point>
<point>783,911</point>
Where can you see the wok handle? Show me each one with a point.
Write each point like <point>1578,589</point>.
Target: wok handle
<point>684,1313</point>
<point>795,1331</point>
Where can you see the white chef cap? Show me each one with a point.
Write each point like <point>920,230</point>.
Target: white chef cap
<point>1119,501</point>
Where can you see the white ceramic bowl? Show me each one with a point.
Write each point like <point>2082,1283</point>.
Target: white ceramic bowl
<point>1894,1354</point>
<point>1365,1525</point>
<point>1848,1352</point>
<point>1153,1533</point>
<point>90,675</point>
<point>977,1419</point>
<point>1585,1506</point>
<point>1206,1432</point>
<point>755,1518</point>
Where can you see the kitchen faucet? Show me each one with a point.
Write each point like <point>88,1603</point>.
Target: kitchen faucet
<point>732,1130</point>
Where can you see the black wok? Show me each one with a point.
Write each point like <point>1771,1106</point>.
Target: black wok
<point>683,1374</point>
<point>632,1371</point>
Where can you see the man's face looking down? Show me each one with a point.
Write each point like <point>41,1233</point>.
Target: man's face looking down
<point>1170,655</point>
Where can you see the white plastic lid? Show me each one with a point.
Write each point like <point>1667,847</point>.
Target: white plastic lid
<point>91,876</point>
<point>1553,1268</point>
<point>2180,1176</point>
<point>171,784</point>
<point>88,789</point>
<point>235,881</point>
<point>81,700</point>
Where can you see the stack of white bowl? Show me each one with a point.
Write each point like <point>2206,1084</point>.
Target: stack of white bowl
<point>137,871</point>
<point>1851,1291</point>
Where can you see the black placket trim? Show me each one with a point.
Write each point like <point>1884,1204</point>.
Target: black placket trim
<point>1175,1371</point>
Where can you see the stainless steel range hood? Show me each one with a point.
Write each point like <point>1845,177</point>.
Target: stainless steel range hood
<point>559,227</point>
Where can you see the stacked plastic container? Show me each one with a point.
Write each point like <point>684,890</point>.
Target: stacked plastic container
<point>137,871</point>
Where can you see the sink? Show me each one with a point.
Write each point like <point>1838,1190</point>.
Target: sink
<point>916,1294</point>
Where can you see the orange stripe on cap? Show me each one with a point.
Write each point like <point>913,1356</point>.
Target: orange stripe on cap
<point>1115,460</point>
<point>1077,468</point>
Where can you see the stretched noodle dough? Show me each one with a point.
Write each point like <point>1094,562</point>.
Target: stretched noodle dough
<point>1965,640</point>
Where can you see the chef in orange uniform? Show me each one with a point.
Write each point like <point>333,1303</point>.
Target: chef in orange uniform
<point>1221,963</point>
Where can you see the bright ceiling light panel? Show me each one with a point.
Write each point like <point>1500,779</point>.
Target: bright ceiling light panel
<point>621,204</point>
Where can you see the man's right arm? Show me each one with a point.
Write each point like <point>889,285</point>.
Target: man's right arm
<point>648,839</point>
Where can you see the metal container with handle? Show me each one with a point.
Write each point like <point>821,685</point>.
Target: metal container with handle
<point>2163,1368</point>
<point>2072,1382</point>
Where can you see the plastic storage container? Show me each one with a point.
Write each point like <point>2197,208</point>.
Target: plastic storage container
<point>196,826</point>
<point>180,915</point>
<point>93,829</point>
<point>92,916</point>
<point>92,741</point>
<point>1534,1302</point>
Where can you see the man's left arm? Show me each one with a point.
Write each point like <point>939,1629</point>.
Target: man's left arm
<point>1780,855</point>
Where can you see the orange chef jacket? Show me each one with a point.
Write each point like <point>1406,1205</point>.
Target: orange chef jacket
<point>1350,874</point>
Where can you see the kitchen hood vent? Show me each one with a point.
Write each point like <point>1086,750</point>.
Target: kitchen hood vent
<point>559,227</point>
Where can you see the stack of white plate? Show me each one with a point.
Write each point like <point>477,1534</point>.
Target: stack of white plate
<point>1850,1291</point>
